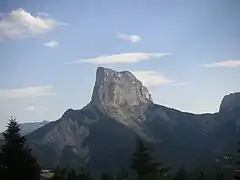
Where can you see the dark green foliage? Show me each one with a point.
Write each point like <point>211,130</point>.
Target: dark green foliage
<point>106,176</point>
<point>220,176</point>
<point>236,173</point>
<point>71,174</point>
<point>143,165</point>
<point>181,174</point>
<point>201,177</point>
<point>236,177</point>
<point>1,164</point>
<point>84,174</point>
<point>16,159</point>
<point>57,177</point>
<point>60,173</point>
<point>122,175</point>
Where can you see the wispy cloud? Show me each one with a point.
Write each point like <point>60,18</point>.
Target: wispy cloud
<point>121,58</point>
<point>51,44</point>
<point>33,108</point>
<point>151,78</point>
<point>154,78</point>
<point>182,83</point>
<point>42,14</point>
<point>129,37</point>
<point>27,92</point>
<point>227,63</point>
<point>30,108</point>
<point>20,23</point>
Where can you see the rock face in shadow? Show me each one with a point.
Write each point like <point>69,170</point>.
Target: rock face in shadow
<point>229,102</point>
<point>103,132</point>
<point>83,137</point>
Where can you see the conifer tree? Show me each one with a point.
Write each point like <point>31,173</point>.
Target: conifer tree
<point>17,161</point>
<point>143,165</point>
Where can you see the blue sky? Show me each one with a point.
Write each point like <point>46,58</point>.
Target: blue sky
<point>186,52</point>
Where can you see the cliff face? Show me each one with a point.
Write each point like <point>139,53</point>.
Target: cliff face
<point>121,96</point>
<point>230,102</point>
<point>103,132</point>
<point>114,88</point>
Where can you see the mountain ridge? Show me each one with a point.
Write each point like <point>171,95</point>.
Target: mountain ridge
<point>121,108</point>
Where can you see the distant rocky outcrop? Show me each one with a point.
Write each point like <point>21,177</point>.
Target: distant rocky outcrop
<point>230,102</point>
<point>103,132</point>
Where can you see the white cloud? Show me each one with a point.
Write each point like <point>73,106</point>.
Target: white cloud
<point>151,78</point>
<point>182,84</point>
<point>20,23</point>
<point>27,92</point>
<point>51,44</point>
<point>121,58</point>
<point>228,63</point>
<point>33,108</point>
<point>132,38</point>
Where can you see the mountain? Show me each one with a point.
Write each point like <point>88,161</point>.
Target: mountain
<point>229,102</point>
<point>29,127</point>
<point>121,108</point>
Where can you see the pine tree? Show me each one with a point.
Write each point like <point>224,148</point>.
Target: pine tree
<point>142,163</point>
<point>17,161</point>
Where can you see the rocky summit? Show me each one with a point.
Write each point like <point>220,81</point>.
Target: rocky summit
<point>114,88</point>
<point>120,109</point>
